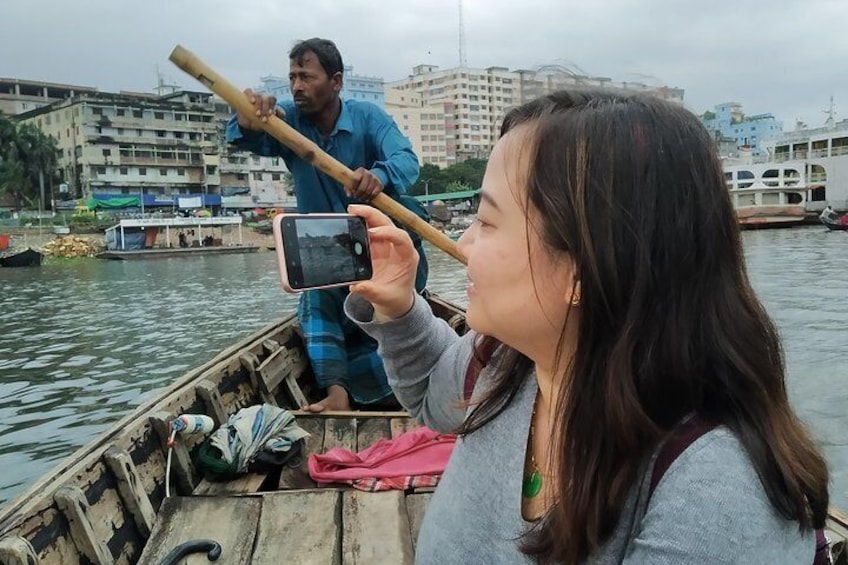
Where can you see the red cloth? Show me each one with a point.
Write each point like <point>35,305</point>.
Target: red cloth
<point>415,453</point>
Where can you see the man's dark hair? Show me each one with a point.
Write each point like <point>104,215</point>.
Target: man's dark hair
<point>326,51</point>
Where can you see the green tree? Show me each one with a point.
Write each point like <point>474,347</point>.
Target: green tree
<point>433,180</point>
<point>26,155</point>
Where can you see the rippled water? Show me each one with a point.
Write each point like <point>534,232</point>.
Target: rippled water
<point>83,342</point>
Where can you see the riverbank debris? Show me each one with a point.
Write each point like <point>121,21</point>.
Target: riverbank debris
<point>71,246</point>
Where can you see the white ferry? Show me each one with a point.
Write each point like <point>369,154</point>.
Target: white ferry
<point>804,171</point>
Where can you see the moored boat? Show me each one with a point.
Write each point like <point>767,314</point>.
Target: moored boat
<point>28,257</point>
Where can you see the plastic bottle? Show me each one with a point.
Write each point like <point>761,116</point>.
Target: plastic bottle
<point>193,424</point>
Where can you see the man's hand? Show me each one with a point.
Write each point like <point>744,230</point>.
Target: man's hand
<point>368,185</point>
<point>263,106</point>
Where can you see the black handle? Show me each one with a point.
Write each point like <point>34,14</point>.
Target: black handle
<point>211,547</point>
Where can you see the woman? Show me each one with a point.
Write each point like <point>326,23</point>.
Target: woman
<point>605,270</point>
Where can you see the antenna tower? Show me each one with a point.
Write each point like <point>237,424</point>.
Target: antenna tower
<point>462,61</point>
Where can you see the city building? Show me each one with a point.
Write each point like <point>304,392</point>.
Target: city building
<point>18,96</point>
<point>423,125</point>
<point>161,148</point>
<point>474,101</point>
<point>532,84</point>
<point>750,132</point>
<point>356,87</point>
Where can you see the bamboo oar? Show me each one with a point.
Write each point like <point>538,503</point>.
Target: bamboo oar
<point>306,149</point>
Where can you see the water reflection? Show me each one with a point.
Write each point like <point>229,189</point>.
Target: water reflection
<point>83,342</point>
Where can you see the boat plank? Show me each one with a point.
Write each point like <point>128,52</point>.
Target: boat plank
<point>376,528</point>
<point>340,432</point>
<point>297,476</point>
<point>180,461</point>
<point>73,504</point>
<point>212,399</point>
<point>15,550</point>
<point>299,527</point>
<point>402,425</point>
<point>371,430</point>
<point>244,484</point>
<point>231,521</point>
<point>416,505</point>
<point>131,489</point>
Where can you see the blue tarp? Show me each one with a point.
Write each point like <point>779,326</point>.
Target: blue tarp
<point>132,240</point>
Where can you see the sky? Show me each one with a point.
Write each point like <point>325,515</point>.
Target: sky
<point>785,57</point>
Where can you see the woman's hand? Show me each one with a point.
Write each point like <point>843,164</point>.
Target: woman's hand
<point>391,289</point>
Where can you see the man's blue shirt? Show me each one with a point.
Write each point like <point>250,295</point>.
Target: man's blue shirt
<point>364,136</point>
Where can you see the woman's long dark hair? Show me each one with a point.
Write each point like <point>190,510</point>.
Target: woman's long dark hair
<point>631,187</point>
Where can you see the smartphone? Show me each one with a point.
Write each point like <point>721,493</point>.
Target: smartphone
<point>321,250</point>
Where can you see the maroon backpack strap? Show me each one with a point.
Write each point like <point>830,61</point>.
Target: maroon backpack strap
<point>479,358</point>
<point>680,439</point>
<point>685,435</point>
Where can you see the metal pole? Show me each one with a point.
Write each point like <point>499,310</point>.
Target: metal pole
<point>123,238</point>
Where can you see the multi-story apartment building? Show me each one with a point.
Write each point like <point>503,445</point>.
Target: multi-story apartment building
<point>423,125</point>
<point>158,147</point>
<point>356,87</point>
<point>474,101</point>
<point>18,96</point>
<point>754,132</point>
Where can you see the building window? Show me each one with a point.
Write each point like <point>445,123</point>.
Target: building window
<point>275,176</point>
<point>158,115</point>
<point>138,132</point>
<point>163,172</point>
<point>241,176</point>
<point>160,133</point>
<point>101,170</point>
<point>142,171</point>
<point>137,113</point>
<point>124,171</point>
<point>181,172</point>
<point>257,176</point>
<point>121,112</point>
<point>97,111</point>
<point>210,169</point>
<point>107,152</point>
<point>178,134</point>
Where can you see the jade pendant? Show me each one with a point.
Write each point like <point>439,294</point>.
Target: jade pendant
<point>531,485</point>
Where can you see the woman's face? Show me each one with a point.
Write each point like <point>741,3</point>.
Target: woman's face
<point>519,291</point>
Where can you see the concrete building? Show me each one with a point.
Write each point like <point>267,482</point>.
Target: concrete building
<point>423,125</point>
<point>159,147</point>
<point>754,132</point>
<point>474,101</point>
<point>356,87</point>
<point>549,78</point>
<point>18,96</point>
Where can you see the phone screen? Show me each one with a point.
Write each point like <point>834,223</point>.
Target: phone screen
<point>326,250</point>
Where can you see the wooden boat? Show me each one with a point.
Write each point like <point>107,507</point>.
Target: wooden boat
<point>106,503</point>
<point>834,225</point>
<point>29,257</point>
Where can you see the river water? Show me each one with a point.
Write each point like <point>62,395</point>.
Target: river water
<point>84,341</point>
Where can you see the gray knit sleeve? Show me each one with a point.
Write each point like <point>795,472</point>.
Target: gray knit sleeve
<point>425,361</point>
<point>710,507</point>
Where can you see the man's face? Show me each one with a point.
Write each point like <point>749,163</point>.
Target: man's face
<point>311,88</point>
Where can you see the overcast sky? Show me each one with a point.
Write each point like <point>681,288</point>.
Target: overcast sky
<point>786,57</point>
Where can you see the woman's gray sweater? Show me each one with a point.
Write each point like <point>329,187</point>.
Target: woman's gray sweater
<point>709,507</point>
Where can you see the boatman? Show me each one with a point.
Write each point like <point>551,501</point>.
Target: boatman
<point>365,139</point>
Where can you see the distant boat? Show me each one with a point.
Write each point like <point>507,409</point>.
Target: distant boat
<point>766,196</point>
<point>29,257</point>
<point>834,224</point>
